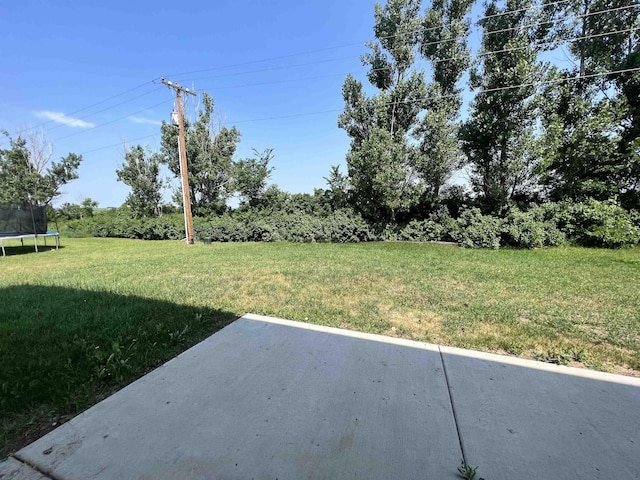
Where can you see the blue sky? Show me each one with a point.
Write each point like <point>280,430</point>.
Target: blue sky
<point>59,57</point>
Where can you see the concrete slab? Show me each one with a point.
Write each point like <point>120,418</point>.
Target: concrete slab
<point>266,399</point>
<point>525,419</point>
<point>12,469</point>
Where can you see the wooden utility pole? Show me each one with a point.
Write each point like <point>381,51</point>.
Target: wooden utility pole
<point>182,150</point>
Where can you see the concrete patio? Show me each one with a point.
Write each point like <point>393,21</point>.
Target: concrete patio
<point>266,398</point>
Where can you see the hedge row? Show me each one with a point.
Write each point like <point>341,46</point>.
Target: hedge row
<point>592,223</point>
<point>338,227</point>
<point>121,224</point>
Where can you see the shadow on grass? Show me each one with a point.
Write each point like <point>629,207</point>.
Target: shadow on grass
<point>13,250</point>
<point>63,350</point>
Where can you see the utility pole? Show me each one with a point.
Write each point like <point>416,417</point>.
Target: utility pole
<point>186,195</point>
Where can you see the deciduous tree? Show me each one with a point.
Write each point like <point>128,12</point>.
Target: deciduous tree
<point>27,174</point>
<point>251,176</point>
<point>381,157</point>
<point>141,172</point>
<point>498,137</point>
<point>210,151</point>
<point>444,43</point>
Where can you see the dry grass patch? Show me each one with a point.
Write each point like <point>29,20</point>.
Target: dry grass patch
<point>413,324</point>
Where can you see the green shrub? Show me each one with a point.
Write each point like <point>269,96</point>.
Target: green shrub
<point>477,230</point>
<point>534,228</point>
<point>440,226</point>
<point>617,232</point>
<point>387,232</point>
<point>450,228</point>
<point>222,229</point>
<point>422,231</point>
<point>597,223</point>
<point>344,226</point>
<point>590,223</point>
<point>119,223</point>
<point>75,228</point>
<point>339,227</point>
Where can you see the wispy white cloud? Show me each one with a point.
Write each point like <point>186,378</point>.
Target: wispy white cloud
<point>60,117</point>
<point>148,121</point>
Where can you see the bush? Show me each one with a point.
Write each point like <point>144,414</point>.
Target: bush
<point>477,230</point>
<point>534,228</point>
<point>120,223</point>
<point>339,227</point>
<point>591,223</point>
<point>223,229</point>
<point>597,223</point>
<point>438,227</point>
<point>450,229</point>
<point>422,231</point>
<point>347,227</point>
<point>387,232</point>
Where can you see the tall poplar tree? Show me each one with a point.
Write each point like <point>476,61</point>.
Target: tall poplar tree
<point>589,119</point>
<point>444,43</point>
<point>498,137</point>
<point>381,157</point>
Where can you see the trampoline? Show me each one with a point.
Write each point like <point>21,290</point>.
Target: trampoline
<point>24,221</point>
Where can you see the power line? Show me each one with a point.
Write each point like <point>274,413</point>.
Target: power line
<point>535,24</point>
<point>280,57</point>
<point>524,9</point>
<point>311,63</point>
<point>586,37</point>
<point>108,108</point>
<point>111,121</point>
<point>282,67</point>
<point>306,114</point>
<point>561,80</point>
<point>98,103</point>
<point>513,49</point>
<point>491,90</point>
<point>275,82</point>
<point>481,54</point>
<point>222,123</point>
<point>213,69</point>
<point>310,52</point>
<point>119,144</point>
<point>295,115</point>
<point>256,71</point>
<point>252,62</point>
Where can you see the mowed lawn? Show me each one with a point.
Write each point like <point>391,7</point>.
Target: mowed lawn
<point>78,323</point>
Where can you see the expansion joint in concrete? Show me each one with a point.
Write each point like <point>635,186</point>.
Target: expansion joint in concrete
<point>47,475</point>
<point>453,405</point>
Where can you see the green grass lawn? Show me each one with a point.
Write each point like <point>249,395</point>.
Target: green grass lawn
<point>78,323</point>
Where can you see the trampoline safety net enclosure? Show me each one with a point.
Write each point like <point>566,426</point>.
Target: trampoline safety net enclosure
<point>22,220</point>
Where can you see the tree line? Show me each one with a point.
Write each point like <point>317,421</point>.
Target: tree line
<point>534,131</point>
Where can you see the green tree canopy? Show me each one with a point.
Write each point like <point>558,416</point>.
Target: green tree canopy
<point>444,43</point>
<point>141,172</point>
<point>381,158</point>
<point>210,153</point>
<point>498,137</point>
<point>27,174</point>
<point>251,176</point>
